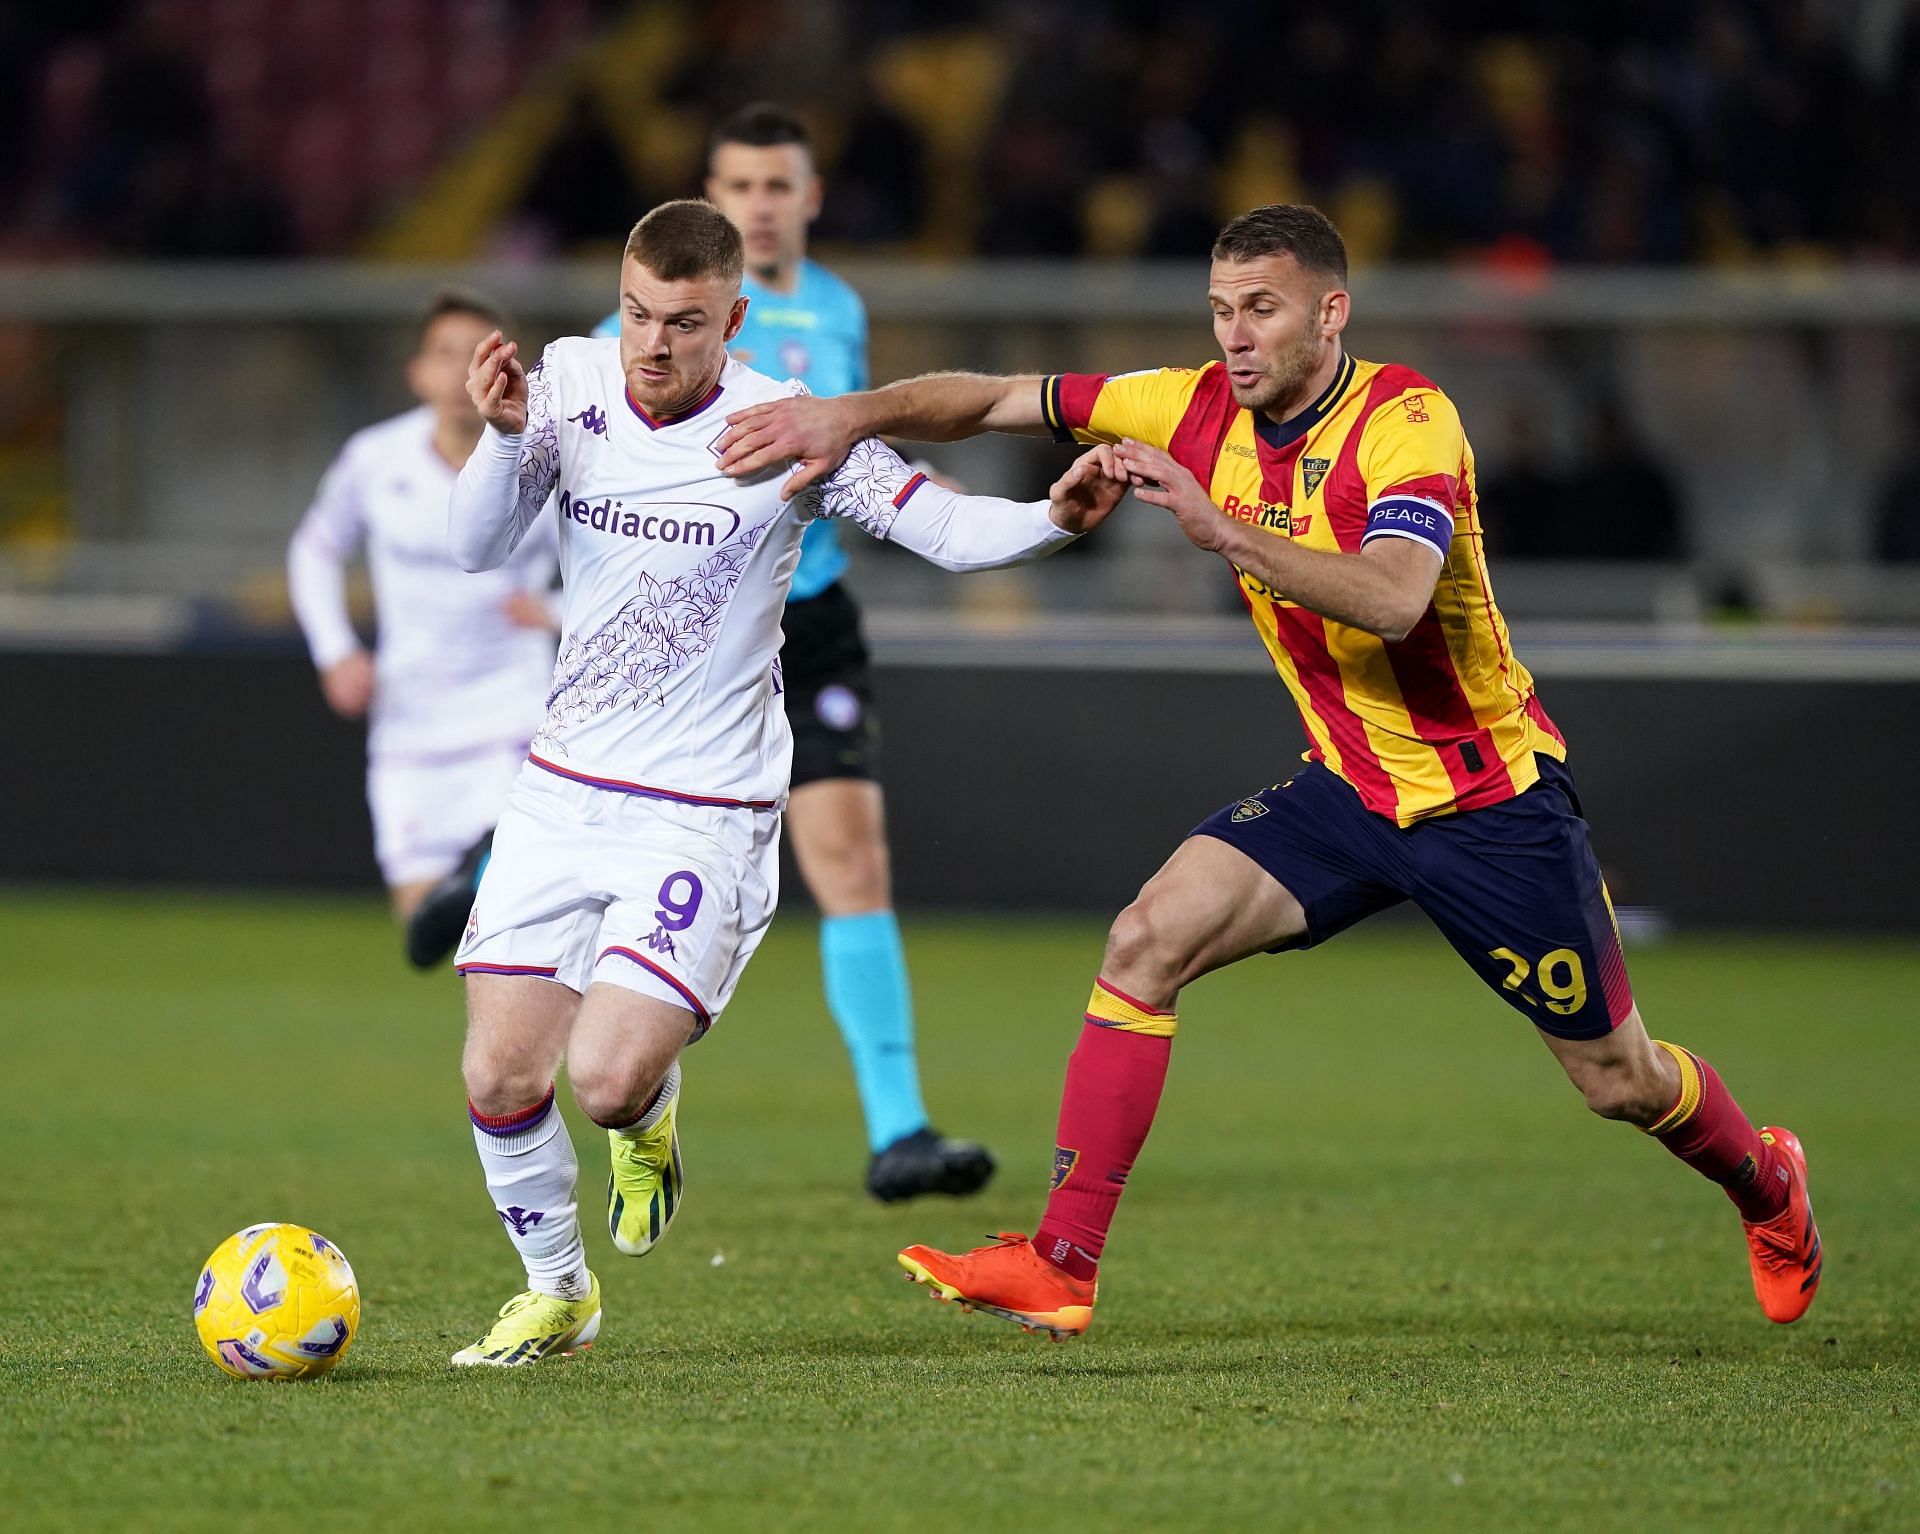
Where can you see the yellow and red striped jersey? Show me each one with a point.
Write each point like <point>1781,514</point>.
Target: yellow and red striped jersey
<point>1443,720</point>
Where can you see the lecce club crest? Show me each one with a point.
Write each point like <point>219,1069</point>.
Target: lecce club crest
<point>1064,1161</point>
<point>1312,471</point>
<point>1248,809</point>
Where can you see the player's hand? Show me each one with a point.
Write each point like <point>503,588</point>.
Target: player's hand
<point>1159,480</point>
<point>814,434</point>
<point>497,384</point>
<point>348,685</point>
<point>1081,498</point>
<point>525,610</point>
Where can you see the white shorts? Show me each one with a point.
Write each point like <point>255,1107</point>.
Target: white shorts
<point>657,896</point>
<point>428,810</point>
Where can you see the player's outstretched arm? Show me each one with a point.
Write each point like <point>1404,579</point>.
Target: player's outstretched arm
<point>817,434</point>
<point>514,466</point>
<point>890,500</point>
<point>1383,588</point>
<point>329,535</point>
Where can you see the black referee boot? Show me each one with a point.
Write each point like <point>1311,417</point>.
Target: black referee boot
<point>926,1161</point>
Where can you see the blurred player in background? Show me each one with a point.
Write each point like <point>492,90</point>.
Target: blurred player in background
<point>453,689</point>
<point>636,867</point>
<point>1341,494</point>
<point>803,322</point>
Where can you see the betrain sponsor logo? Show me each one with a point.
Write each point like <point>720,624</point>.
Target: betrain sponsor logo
<point>690,522</point>
<point>1275,519</point>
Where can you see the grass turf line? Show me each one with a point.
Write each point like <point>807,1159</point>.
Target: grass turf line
<point>1377,1268</point>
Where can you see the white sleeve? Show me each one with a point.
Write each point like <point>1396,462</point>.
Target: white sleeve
<point>881,494</point>
<point>506,481</point>
<point>328,536</point>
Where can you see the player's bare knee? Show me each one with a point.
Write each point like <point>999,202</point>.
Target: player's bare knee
<point>615,1094</point>
<point>499,1085</point>
<point>1140,956</point>
<point>1622,1088</point>
<point>852,877</point>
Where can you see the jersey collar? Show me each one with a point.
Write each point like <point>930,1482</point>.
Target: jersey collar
<point>1279,434</point>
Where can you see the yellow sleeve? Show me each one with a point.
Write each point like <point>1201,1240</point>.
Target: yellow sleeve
<point>1101,407</point>
<point>1414,446</point>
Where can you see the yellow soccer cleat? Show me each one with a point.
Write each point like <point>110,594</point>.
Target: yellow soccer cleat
<point>533,1326</point>
<point>643,1194</point>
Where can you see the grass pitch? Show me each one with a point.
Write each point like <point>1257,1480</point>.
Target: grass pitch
<point>1377,1269</point>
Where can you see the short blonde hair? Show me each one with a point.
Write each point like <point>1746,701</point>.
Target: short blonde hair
<point>689,238</point>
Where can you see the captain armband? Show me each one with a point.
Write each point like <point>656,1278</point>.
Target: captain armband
<point>1408,516</point>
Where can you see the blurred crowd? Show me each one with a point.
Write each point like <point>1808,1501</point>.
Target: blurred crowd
<point>1506,130</point>
<point>1503,132</point>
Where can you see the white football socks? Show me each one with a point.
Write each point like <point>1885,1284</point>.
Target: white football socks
<point>532,1173</point>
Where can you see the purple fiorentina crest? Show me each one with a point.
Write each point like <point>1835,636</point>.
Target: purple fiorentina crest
<point>522,1220</point>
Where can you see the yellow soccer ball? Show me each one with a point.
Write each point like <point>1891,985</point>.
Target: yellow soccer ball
<point>276,1302</point>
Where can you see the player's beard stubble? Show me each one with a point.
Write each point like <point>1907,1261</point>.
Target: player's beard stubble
<point>685,382</point>
<point>1287,374</point>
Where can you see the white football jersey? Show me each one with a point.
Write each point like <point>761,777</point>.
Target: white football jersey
<point>674,576</point>
<point>453,672</point>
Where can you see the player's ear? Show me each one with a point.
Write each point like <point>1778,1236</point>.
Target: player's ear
<point>737,317</point>
<point>1336,305</point>
<point>414,379</point>
<point>816,194</point>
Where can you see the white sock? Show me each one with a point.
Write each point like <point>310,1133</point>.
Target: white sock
<point>531,1173</point>
<point>662,1100</point>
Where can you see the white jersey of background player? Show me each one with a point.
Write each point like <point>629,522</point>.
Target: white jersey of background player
<point>636,866</point>
<point>454,691</point>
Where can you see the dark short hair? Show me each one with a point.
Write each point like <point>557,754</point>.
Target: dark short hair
<point>447,301</point>
<point>690,238</point>
<point>761,126</point>
<point>1286,229</point>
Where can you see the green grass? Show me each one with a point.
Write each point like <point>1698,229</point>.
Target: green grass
<point>1377,1269</point>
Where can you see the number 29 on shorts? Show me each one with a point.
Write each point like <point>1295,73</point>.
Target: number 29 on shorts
<point>1558,979</point>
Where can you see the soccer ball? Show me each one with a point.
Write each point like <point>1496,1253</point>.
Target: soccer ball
<point>276,1302</point>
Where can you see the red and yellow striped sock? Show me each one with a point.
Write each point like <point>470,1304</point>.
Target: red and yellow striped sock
<point>1114,1079</point>
<point>1706,1129</point>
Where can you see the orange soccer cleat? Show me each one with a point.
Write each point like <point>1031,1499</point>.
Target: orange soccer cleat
<point>1785,1251</point>
<point>1008,1279</point>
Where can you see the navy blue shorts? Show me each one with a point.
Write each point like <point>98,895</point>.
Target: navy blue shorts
<point>1514,887</point>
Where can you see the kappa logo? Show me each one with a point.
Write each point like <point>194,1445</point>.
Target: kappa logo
<point>661,941</point>
<point>1312,471</point>
<point>473,928</point>
<point>591,420</point>
<point>1064,1161</point>
<point>1248,809</point>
